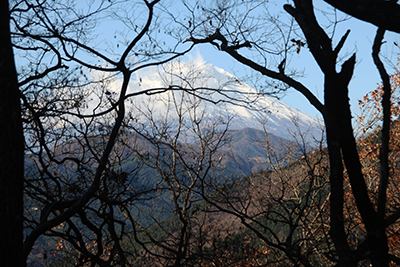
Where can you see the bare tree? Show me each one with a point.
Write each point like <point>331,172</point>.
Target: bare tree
<point>244,32</point>
<point>284,208</point>
<point>180,144</point>
<point>78,147</point>
<point>73,113</point>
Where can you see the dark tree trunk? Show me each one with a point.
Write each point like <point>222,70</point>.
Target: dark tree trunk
<point>333,116</point>
<point>11,151</point>
<point>342,149</point>
<point>341,141</point>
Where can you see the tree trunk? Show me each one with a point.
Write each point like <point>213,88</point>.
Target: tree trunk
<point>333,124</point>
<point>11,151</point>
<point>342,146</point>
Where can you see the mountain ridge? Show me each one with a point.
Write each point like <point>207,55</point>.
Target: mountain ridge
<point>223,95</point>
<point>262,111</point>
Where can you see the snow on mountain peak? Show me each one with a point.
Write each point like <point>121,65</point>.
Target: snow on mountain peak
<point>249,108</point>
<point>276,116</point>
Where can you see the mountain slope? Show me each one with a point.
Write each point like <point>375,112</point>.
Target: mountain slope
<point>223,95</point>
<point>259,111</point>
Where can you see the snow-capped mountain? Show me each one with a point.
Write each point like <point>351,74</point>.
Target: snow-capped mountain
<point>259,111</point>
<point>233,98</point>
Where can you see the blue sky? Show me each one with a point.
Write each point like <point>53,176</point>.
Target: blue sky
<point>360,40</point>
<point>365,79</point>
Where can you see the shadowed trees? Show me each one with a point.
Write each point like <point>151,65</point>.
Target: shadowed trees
<point>64,65</point>
<point>242,34</point>
<point>72,117</point>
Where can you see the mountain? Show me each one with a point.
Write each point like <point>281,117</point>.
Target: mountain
<point>248,148</point>
<point>244,152</point>
<point>254,110</point>
<point>223,95</point>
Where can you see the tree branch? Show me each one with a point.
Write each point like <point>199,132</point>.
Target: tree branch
<point>384,14</point>
<point>386,105</point>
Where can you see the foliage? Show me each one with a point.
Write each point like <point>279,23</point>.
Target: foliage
<point>370,146</point>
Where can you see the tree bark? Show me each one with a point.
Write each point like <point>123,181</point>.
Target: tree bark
<point>11,151</point>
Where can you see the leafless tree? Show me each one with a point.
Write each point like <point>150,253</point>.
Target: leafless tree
<point>284,208</point>
<point>73,84</point>
<point>180,145</point>
<point>240,32</point>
